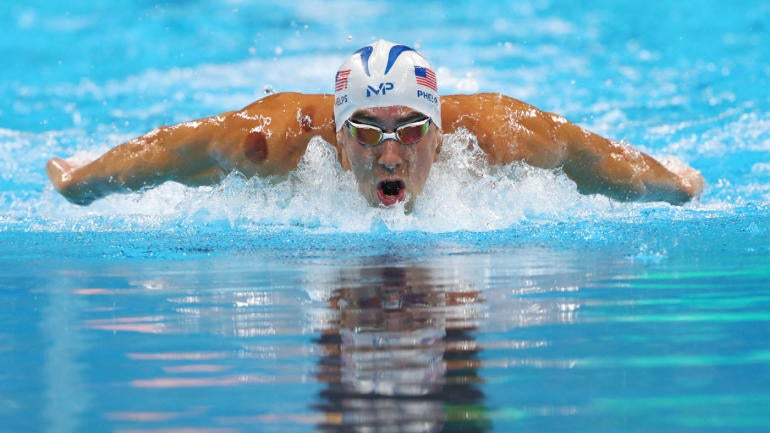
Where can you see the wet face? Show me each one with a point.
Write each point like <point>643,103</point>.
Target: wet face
<point>389,172</point>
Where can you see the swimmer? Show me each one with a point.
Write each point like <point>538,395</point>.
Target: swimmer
<point>387,123</point>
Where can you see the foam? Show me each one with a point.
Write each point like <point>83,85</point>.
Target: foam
<point>463,193</point>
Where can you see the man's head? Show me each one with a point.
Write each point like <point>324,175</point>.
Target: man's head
<point>388,119</point>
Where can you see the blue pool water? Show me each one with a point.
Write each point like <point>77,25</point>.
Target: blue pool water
<point>506,302</point>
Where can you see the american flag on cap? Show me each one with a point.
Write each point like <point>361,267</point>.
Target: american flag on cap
<point>341,81</point>
<point>425,77</point>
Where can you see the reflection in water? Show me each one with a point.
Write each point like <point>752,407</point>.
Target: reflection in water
<point>399,354</point>
<point>66,396</point>
<point>391,345</point>
<point>544,338</point>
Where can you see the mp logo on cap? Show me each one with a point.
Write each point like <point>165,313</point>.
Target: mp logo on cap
<point>381,89</point>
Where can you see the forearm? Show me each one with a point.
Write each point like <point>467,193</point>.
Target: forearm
<point>265,138</point>
<point>179,153</point>
<point>601,166</point>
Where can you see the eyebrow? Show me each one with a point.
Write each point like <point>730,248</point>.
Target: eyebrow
<point>372,120</point>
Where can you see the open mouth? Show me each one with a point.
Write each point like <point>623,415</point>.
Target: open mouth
<point>391,192</point>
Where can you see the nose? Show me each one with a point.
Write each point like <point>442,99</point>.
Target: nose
<point>390,158</point>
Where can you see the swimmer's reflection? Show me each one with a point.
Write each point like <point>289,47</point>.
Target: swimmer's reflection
<point>400,356</point>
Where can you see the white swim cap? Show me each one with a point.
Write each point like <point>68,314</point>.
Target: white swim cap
<point>385,74</point>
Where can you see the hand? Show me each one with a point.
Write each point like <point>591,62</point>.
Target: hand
<point>692,179</point>
<point>60,173</point>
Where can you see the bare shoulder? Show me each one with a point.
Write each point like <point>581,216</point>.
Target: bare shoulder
<point>284,100</point>
<point>270,135</point>
<point>295,114</point>
<point>461,110</point>
<point>507,129</point>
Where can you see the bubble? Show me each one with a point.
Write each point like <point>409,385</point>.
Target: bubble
<point>463,193</point>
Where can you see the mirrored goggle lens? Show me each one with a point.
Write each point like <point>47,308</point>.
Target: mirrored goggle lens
<point>365,135</point>
<point>413,132</point>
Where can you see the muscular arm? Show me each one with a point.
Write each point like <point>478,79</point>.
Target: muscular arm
<point>509,130</point>
<point>266,138</point>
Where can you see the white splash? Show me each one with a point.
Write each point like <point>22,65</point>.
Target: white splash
<point>463,193</point>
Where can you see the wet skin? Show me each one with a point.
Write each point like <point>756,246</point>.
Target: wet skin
<point>268,138</point>
<point>389,172</point>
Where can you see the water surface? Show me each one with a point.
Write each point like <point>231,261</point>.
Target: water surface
<point>505,302</point>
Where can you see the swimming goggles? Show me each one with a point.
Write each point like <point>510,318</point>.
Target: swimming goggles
<point>370,135</point>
